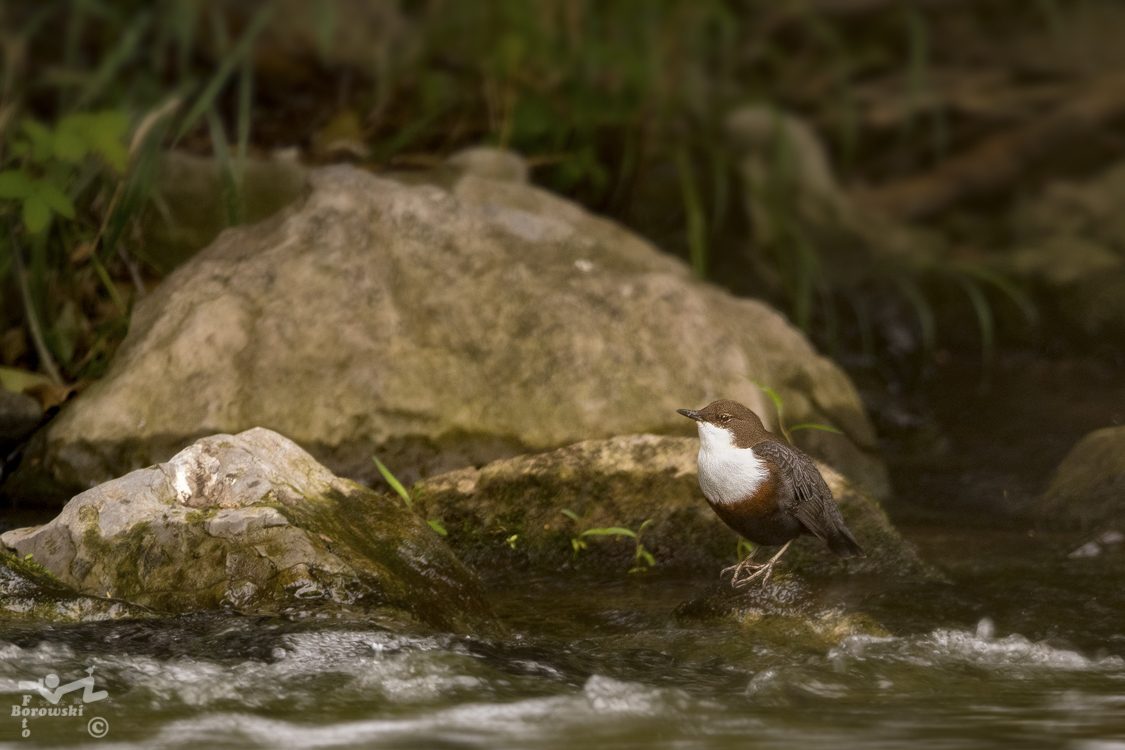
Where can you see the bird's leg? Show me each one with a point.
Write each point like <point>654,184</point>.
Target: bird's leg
<point>746,562</point>
<point>761,570</point>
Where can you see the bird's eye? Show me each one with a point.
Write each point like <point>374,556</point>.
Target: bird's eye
<point>724,418</point>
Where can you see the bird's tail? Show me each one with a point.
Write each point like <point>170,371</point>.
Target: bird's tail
<point>843,543</point>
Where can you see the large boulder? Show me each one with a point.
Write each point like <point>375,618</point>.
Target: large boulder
<point>440,328</point>
<point>509,514</point>
<point>1088,487</point>
<point>251,523</point>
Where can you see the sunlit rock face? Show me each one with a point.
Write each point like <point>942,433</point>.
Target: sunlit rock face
<point>509,514</point>
<point>1088,488</point>
<point>251,523</point>
<point>439,327</point>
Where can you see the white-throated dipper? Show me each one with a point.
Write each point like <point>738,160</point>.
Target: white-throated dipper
<point>763,488</point>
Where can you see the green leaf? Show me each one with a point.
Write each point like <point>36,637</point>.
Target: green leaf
<point>393,482</point>
<point>435,524</point>
<point>572,516</point>
<point>42,140</point>
<point>54,198</point>
<point>14,184</point>
<point>610,531</point>
<point>812,426</point>
<point>71,142</point>
<point>107,138</point>
<point>36,214</point>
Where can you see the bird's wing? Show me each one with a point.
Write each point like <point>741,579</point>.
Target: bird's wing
<point>811,501</point>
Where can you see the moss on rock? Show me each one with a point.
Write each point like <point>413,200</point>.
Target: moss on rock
<point>251,523</point>
<point>625,481</point>
<point>30,592</point>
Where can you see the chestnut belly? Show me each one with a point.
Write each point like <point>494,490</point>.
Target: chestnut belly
<point>768,527</point>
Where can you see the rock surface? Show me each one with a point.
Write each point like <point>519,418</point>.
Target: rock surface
<point>1088,487</point>
<point>29,593</point>
<point>19,416</point>
<point>252,523</point>
<point>623,482</point>
<point>440,328</point>
<point>783,611</point>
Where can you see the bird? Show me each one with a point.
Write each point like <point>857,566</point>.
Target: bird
<point>765,489</point>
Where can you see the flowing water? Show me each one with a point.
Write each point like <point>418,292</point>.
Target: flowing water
<point>1024,647</point>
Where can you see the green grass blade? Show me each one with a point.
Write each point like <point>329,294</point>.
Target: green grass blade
<point>984,322</point>
<point>110,287</point>
<point>777,403</point>
<point>435,524</point>
<point>610,531</point>
<point>572,516</point>
<point>693,210</point>
<point>210,92</point>
<point>226,172</point>
<point>245,100</point>
<point>815,426</point>
<point>1005,285</point>
<point>913,293</point>
<point>393,482</point>
<point>111,66</point>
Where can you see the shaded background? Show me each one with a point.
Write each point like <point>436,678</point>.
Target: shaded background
<point>928,189</point>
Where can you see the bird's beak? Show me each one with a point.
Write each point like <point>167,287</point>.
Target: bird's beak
<point>690,414</point>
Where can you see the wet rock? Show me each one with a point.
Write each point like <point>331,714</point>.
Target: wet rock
<point>510,513</point>
<point>783,611</point>
<point>29,592</point>
<point>1088,487</point>
<point>252,523</point>
<point>19,415</point>
<point>440,328</point>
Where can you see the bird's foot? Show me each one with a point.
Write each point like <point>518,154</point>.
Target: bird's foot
<point>754,570</point>
<point>760,570</point>
<point>744,571</point>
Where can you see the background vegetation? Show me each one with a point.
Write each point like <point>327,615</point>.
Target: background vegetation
<point>620,105</point>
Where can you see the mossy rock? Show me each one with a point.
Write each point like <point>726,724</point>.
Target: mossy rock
<point>783,611</point>
<point>251,523</point>
<point>31,593</point>
<point>623,482</point>
<point>1088,487</point>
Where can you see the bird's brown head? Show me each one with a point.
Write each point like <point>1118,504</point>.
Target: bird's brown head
<point>744,425</point>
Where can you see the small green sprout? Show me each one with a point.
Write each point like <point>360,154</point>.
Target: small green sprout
<point>394,483</point>
<point>642,558</point>
<point>435,523</point>
<point>780,406</point>
<point>512,540</point>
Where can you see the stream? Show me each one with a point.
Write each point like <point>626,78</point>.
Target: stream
<point>1022,646</point>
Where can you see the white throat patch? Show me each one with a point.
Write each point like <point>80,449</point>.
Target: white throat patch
<point>726,474</point>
